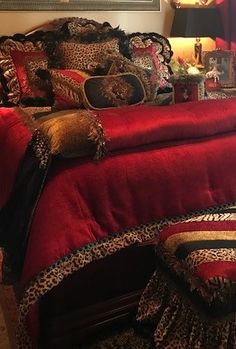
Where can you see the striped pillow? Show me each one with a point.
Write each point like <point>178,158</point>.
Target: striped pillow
<point>66,85</point>
<point>202,251</point>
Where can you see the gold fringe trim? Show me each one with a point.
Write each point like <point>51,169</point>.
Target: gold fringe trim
<point>98,137</point>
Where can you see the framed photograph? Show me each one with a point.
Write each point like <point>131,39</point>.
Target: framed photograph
<point>220,65</point>
<point>80,5</point>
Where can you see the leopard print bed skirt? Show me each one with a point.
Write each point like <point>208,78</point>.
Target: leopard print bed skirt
<point>178,323</point>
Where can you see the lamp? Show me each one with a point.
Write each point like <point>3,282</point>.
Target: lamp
<point>197,22</point>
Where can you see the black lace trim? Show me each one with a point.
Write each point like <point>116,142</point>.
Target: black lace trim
<point>155,37</point>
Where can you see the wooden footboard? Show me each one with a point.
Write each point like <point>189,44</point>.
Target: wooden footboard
<point>103,294</point>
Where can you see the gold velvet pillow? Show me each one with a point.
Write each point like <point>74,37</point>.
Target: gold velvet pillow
<point>111,91</point>
<point>73,133</point>
<point>76,55</point>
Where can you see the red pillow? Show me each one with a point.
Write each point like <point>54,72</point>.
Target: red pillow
<point>13,57</point>
<point>149,57</point>
<point>25,73</point>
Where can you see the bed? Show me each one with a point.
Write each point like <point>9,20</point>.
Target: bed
<point>83,248</point>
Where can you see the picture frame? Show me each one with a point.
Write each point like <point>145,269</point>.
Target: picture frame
<point>220,65</point>
<point>80,5</point>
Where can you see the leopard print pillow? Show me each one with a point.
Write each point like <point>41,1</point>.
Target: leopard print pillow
<point>86,57</point>
<point>82,26</point>
<point>32,65</point>
<point>152,51</point>
<point>150,58</point>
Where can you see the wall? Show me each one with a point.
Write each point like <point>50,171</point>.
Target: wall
<point>12,22</point>
<point>160,22</point>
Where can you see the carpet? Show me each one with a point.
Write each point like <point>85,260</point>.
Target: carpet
<point>8,318</point>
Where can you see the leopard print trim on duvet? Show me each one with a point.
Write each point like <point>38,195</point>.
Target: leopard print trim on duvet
<point>52,276</point>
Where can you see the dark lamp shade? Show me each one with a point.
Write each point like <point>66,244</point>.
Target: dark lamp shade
<point>197,22</point>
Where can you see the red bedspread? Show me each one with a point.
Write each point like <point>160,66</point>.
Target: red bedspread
<point>163,161</point>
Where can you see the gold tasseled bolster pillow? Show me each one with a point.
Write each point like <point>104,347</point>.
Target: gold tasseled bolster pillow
<point>73,133</point>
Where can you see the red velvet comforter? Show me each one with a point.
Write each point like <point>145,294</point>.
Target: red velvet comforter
<point>163,161</point>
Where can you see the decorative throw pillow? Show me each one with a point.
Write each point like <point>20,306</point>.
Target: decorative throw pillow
<point>33,64</point>
<point>76,55</point>
<point>120,64</point>
<point>66,87</point>
<point>73,133</point>
<point>111,91</point>
<point>149,58</point>
<point>13,54</point>
<point>141,40</point>
<point>26,64</point>
<point>152,51</point>
<point>78,26</point>
<point>36,112</point>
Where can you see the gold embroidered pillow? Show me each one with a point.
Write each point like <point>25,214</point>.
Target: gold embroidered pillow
<point>112,91</point>
<point>87,57</point>
<point>13,55</point>
<point>66,85</point>
<point>120,64</point>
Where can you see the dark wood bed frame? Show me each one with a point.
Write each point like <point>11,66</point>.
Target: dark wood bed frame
<point>102,295</point>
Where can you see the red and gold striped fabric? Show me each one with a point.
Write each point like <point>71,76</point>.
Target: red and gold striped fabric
<point>203,251</point>
<point>67,87</point>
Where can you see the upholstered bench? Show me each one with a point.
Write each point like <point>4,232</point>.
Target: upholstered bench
<point>191,297</point>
